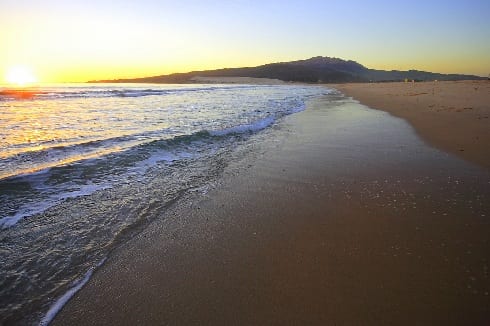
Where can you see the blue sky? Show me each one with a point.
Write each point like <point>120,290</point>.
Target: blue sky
<point>78,40</point>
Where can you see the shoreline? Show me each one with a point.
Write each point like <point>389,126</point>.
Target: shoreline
<point>342,215</point>
<point>451,115</point>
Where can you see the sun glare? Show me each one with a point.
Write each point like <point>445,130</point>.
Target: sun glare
<point>20,76</point>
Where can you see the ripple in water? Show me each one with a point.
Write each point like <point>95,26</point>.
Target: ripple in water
<point>85,167</point>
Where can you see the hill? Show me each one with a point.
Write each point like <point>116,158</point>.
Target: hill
<point>313,70</point>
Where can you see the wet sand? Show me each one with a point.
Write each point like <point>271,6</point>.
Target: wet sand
<point>454,116</point>
<point>340,215</point>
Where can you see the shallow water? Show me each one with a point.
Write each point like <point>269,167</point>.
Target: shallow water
<point>84,167</point>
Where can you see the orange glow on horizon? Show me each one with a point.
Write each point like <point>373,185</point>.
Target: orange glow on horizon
<point>79,41</point>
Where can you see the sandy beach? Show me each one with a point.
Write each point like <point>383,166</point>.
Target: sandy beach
<point>341,216</point>
<point>454,116</point>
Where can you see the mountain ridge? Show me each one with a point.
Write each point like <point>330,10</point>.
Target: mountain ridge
<point>313,70</point>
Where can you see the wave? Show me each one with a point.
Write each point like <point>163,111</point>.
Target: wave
<point>253,127</point>
<point>77,286</point>
<point>64,154</point>
<point>35,181</point>
<point>84,174</point>
<point>31,209</point>
<point>72,152</point>
<point>46,93</point>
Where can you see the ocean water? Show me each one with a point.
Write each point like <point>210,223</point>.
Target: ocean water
<point>85,166</point>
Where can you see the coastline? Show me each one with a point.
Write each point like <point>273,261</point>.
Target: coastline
<point>451,115</point>
<point>342,217</point>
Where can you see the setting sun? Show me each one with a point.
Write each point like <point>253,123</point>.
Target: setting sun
<point>20,75</point>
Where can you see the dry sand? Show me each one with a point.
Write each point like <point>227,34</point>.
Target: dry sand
<point>454,116</point>
<point>340,216</point>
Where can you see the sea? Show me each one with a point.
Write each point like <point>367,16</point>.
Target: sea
<point>84,167</point>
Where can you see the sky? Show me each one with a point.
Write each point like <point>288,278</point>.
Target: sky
<point>80,40</point>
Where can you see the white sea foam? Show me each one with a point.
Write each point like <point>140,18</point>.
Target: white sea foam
<point>253,127</point>
<point>58,305</point>
<point>30,209</point>
<point>156,157</point>
<point>299,108</point>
